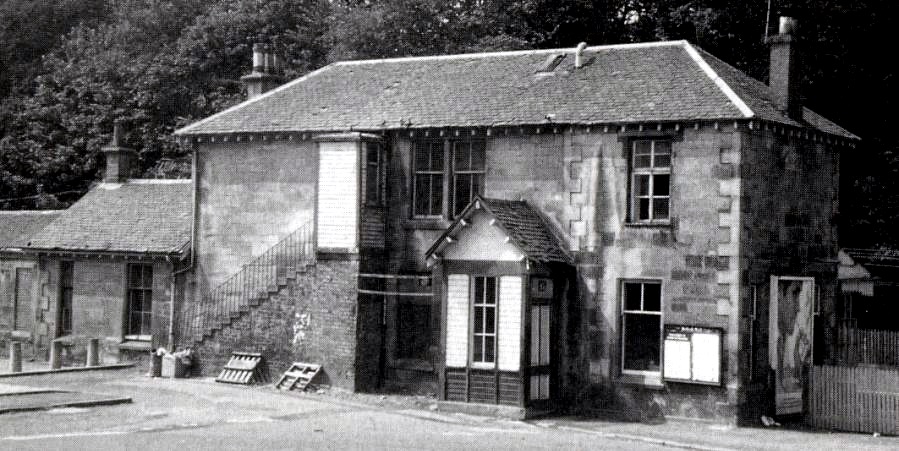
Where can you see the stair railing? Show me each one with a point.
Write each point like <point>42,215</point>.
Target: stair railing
<point>254,281</point>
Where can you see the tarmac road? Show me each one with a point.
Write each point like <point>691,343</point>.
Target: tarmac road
<point>201,414</point>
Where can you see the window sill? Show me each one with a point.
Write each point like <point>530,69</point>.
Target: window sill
<point>412,364</point>
<point>133,345</point>
<point>648,224</point>
<point>652,381</point>
<point>427,223</point>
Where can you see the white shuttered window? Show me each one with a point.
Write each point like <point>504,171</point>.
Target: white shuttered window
<point>509,352</point>
<point>338,200</point>
<point>457,321</point>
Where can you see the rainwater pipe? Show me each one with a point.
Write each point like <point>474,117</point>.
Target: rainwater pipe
<point>193,247</point>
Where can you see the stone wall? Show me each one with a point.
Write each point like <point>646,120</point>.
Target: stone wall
<point>33,335</point>
<point>578,178</point>
<point>313,319</point>
<point>790,204</point>
<point>99,306</point>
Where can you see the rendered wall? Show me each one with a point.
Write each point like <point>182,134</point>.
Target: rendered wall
<point>251,195</point>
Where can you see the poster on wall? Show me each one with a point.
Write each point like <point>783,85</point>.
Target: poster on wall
<point>790,340</point>
<point>692,354</point>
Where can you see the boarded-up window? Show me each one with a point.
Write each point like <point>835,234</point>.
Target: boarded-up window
<point>413,330</point>
<point>66,283</point>
<point>457,321</point>
<point>338,199</point>
<point>510,323</point>
<point>23,305</point>
<point>373,174</point>
<point>140,301</point>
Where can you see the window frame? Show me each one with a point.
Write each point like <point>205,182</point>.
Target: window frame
<point>473,333</point>
<point>448,174</point>
<point>651,172</point>
<point>623,324</point>
<point>130,288</point>
<point>375,168</point>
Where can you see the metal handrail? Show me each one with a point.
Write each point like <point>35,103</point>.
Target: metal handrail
<point>255,280</point>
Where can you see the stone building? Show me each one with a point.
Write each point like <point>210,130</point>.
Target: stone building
<point>390,219</point>
<point>112,265</point>
<point>20,299</point>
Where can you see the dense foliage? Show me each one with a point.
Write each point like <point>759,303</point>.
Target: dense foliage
<point>69,68</point>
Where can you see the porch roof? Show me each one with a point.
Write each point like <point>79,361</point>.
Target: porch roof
<point>524,225</point>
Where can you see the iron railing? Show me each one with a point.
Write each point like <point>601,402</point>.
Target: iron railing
<point>254,282</point>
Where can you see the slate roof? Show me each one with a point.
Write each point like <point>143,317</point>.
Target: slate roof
<point>628,83</point>
<point>524,225</point>
<point>19,225</point>
<point>140,216</point>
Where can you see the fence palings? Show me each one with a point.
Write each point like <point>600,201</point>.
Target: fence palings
<point>858,399</point>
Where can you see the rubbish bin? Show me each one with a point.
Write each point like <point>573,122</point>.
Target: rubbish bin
<point>155,364</point>
<point>175,366</point>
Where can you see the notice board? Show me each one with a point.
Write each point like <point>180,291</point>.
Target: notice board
<point>692,354</point>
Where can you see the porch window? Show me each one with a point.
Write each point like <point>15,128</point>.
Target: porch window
<point>650,181</point>
<point>140,301</point>
<point>484,327</point>
<point>641,327</point>
<point>457,165</point>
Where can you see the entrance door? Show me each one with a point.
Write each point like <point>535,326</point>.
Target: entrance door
<point>540,369</point>
<point>790,326</point>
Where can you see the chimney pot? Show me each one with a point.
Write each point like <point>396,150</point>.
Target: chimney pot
<point>579,55</point>
<point>787,25</point>
<point>264,76</point>
<point>258,58</point>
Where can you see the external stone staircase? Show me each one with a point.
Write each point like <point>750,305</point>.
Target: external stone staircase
<point>258,280</point>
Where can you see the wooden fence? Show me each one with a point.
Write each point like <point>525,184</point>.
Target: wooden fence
<point>867,347</point>
<point>859,399</point>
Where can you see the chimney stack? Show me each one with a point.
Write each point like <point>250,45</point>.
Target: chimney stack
<point>118,157</point>
<point>266,73</point>
<point>785,74</point>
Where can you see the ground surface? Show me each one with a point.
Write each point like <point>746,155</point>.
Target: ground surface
<point>202,414</point>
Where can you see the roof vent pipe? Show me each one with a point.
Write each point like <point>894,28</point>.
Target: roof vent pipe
<point>579,55</point>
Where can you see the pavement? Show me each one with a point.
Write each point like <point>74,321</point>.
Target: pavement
<point>203,414</point>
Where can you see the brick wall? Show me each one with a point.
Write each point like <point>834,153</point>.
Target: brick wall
<point>312,319</point>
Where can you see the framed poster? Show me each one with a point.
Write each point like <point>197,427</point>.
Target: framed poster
<point>692,354</point>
